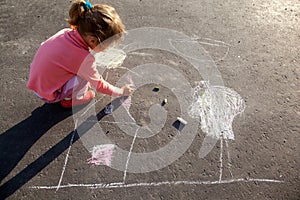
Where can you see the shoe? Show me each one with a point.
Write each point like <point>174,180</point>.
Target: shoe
<point>87,97</point>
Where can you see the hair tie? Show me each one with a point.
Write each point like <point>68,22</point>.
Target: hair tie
<point>88,5</point>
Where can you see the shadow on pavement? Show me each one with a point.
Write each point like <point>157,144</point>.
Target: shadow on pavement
<point>16,141</point>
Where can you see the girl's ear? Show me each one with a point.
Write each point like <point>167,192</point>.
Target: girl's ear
<point>92,41</point>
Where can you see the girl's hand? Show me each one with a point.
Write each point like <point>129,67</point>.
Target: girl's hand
<point>127,90</point>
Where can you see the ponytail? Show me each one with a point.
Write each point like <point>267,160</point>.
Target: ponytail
<point>99,20</point>
<point>76,12</point>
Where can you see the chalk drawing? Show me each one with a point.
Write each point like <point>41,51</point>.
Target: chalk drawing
<point>157,184</point>
<point>210,41</point>
<point>129,154</point>
<point>126,102</point>
<point>102,154</point>
<point>140,54</point>
<point>114,122</point>
<point>226,54</point>
<point>213,42</point>
<point>216,106</point>
<point>129,70</point>
<point>206,98</point>
<point>221,161</point>
<point>110,58</point>
<point>67,156</point>
<point>228,158</point>
<point>91,105</point>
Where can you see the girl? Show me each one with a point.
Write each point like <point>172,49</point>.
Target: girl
<point>63,68</point>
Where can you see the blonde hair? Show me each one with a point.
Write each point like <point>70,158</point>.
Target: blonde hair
<point>99,20</point>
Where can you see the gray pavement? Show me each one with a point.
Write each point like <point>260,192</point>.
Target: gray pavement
<point>255,46</point>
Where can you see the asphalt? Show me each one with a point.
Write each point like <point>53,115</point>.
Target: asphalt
<point>255,48</point>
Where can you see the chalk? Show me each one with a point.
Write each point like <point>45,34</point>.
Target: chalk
<point>182,120</point>
<point>109,109</point>
<point>164,102</point>
<point>102,154</point>
<point>155,89</point>
<point>157,184</point>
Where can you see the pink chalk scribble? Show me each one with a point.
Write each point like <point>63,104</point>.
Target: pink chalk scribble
<point>102,154</point>
<point>126,101</point>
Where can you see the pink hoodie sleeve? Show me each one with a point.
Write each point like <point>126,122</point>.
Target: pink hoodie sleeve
<point>89,72</point>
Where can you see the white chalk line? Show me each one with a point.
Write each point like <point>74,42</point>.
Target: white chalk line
<point>212,44</point>
<point>129,154</point>
<point>229,159</point>
<point>212,41</point>
<point>155,184</point>
<point>140,54</point>
<point>223,45</point>
<point>127,110</point>
<point>218,43</point>
<point>221,160</point>
<point>90,106</point>
<point>114,122</point>
<point>67,157</point>
<point>106,77</point>
<point>187,56</point>
<point>108,122</point>
<point>226,54</point>
<point>130,71</point>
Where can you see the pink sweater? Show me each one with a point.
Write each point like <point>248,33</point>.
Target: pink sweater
<point>61,57</point>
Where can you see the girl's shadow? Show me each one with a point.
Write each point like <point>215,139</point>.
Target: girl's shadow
<point>15,142</point>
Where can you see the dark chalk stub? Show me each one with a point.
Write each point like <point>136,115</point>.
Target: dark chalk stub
<point>155,89</point>
<point>178,125</point>
<point>164,102</point>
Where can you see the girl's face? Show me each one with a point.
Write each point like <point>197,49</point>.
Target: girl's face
<point>97,46</point>
<point>94,43</point>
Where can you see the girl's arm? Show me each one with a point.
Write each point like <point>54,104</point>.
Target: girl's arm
<point>89,72</point>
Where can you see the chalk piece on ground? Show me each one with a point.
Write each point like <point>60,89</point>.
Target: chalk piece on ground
<point>109,109</point>
<point>164,102</point>
<point>182,120</point>
<point>155,89</point>
<point>179,124</point>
